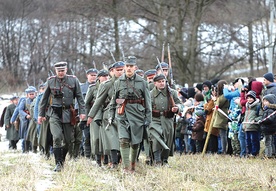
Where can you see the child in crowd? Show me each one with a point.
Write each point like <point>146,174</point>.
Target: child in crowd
<point>252,130</point>
<point>198,130</point>
<point>186,130</point>
<point>268,122</point>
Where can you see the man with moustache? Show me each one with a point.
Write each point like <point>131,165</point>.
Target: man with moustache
<point>130,107</point>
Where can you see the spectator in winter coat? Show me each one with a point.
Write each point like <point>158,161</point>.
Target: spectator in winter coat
<point>252,114</point>
<point>208,108</point>
<point>221,121</point>
<point>269,84</point>
<point>257,87</point>
<point>268,122</point>
<point>198,130</point>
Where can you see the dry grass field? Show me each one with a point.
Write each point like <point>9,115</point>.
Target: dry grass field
<point>187,172</point>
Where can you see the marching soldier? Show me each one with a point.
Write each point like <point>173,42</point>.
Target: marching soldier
<point>104,95</point>
<point>95,126</point>
<point>62,89</point>
<point>149,74</point>
<point>24,109</point>
<point>91,75</point>
<point>131,101</point>
<point>12,133</point>
<point>165,104</point>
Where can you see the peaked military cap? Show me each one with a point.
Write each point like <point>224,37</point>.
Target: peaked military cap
<point>102,72</point>
<point>163,65</point>
<point>118,64</point>
<point>159,77</point>
<point>150,72</point>
<point>131,60</point>
<point>61,65</point>
<point>30,89</point>
<point>139,71</point>
<point>91,70</point>
<point>13,98</point>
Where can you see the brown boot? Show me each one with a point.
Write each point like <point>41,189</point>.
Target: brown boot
<point>132,167</point>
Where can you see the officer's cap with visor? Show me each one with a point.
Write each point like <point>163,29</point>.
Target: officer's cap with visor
<point>61,65</point>
<point>151,72</point>
<point>164,65</point>
<point>102,73</point>
<point>159,77</point>
<point>30,89</point>
<point>130,60</point>
<point>118,64</point>
<point>92,70</point>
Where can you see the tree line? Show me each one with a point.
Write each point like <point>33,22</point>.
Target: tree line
<point>208,38</point>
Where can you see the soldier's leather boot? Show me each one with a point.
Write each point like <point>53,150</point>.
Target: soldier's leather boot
<point>58,159</point>
<point>132,167</point>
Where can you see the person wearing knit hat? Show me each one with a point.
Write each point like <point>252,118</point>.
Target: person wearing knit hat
<point>253,112</point>
<point>207,84</point>
<point>267,123</point>
<point>269,77</point>
<point>269,84</point>
<point>251,94</point>
<point>198,87</point>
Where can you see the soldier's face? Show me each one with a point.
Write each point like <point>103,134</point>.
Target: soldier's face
<point>165,71</point>
<point>103,78</point>
<point>160,84</point>
<point>31,95</point>
<point>91,77</point>
<point>118,71</point>
<point>61,72</point>
<point>130,70</point>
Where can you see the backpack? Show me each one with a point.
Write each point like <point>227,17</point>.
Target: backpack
<point>2,117</point>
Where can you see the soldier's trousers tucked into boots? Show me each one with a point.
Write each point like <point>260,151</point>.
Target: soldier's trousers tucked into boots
<point>60,155</point>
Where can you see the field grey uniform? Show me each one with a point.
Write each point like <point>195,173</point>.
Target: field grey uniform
<point>96,130</point>
<point>12,133</point>
<point>61,93</point>
<point>137,113</point>
<point>110,136</point>
<point>161,130</point>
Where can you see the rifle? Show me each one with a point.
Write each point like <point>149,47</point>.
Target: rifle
<point>170,65</point>
<point>112,56</point>
<point>73,73</point>
<point>94,64</point>
<point>52,73</point>
<point>163,52</point>
<point>123,54</point>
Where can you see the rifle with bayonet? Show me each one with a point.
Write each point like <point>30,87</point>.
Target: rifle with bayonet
<point>170,66</point>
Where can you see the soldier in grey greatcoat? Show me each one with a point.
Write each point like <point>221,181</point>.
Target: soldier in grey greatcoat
<point>24,109</point>
<point>165,103</point>
<point>131,109</point>
<point>12,133</point>
<point>104,95</point>
<point>96,130</point>
<point>84,137</point>
<point>61,89</point>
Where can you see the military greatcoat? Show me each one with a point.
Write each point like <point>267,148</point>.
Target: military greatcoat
<point>60,94</point>
<point>130,123</point>
<point>110,133</point>
<point>161,130</point>
<point>96,131</point>
<point>12,133</point>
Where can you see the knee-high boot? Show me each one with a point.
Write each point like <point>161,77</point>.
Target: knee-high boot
<point>58,153</point>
